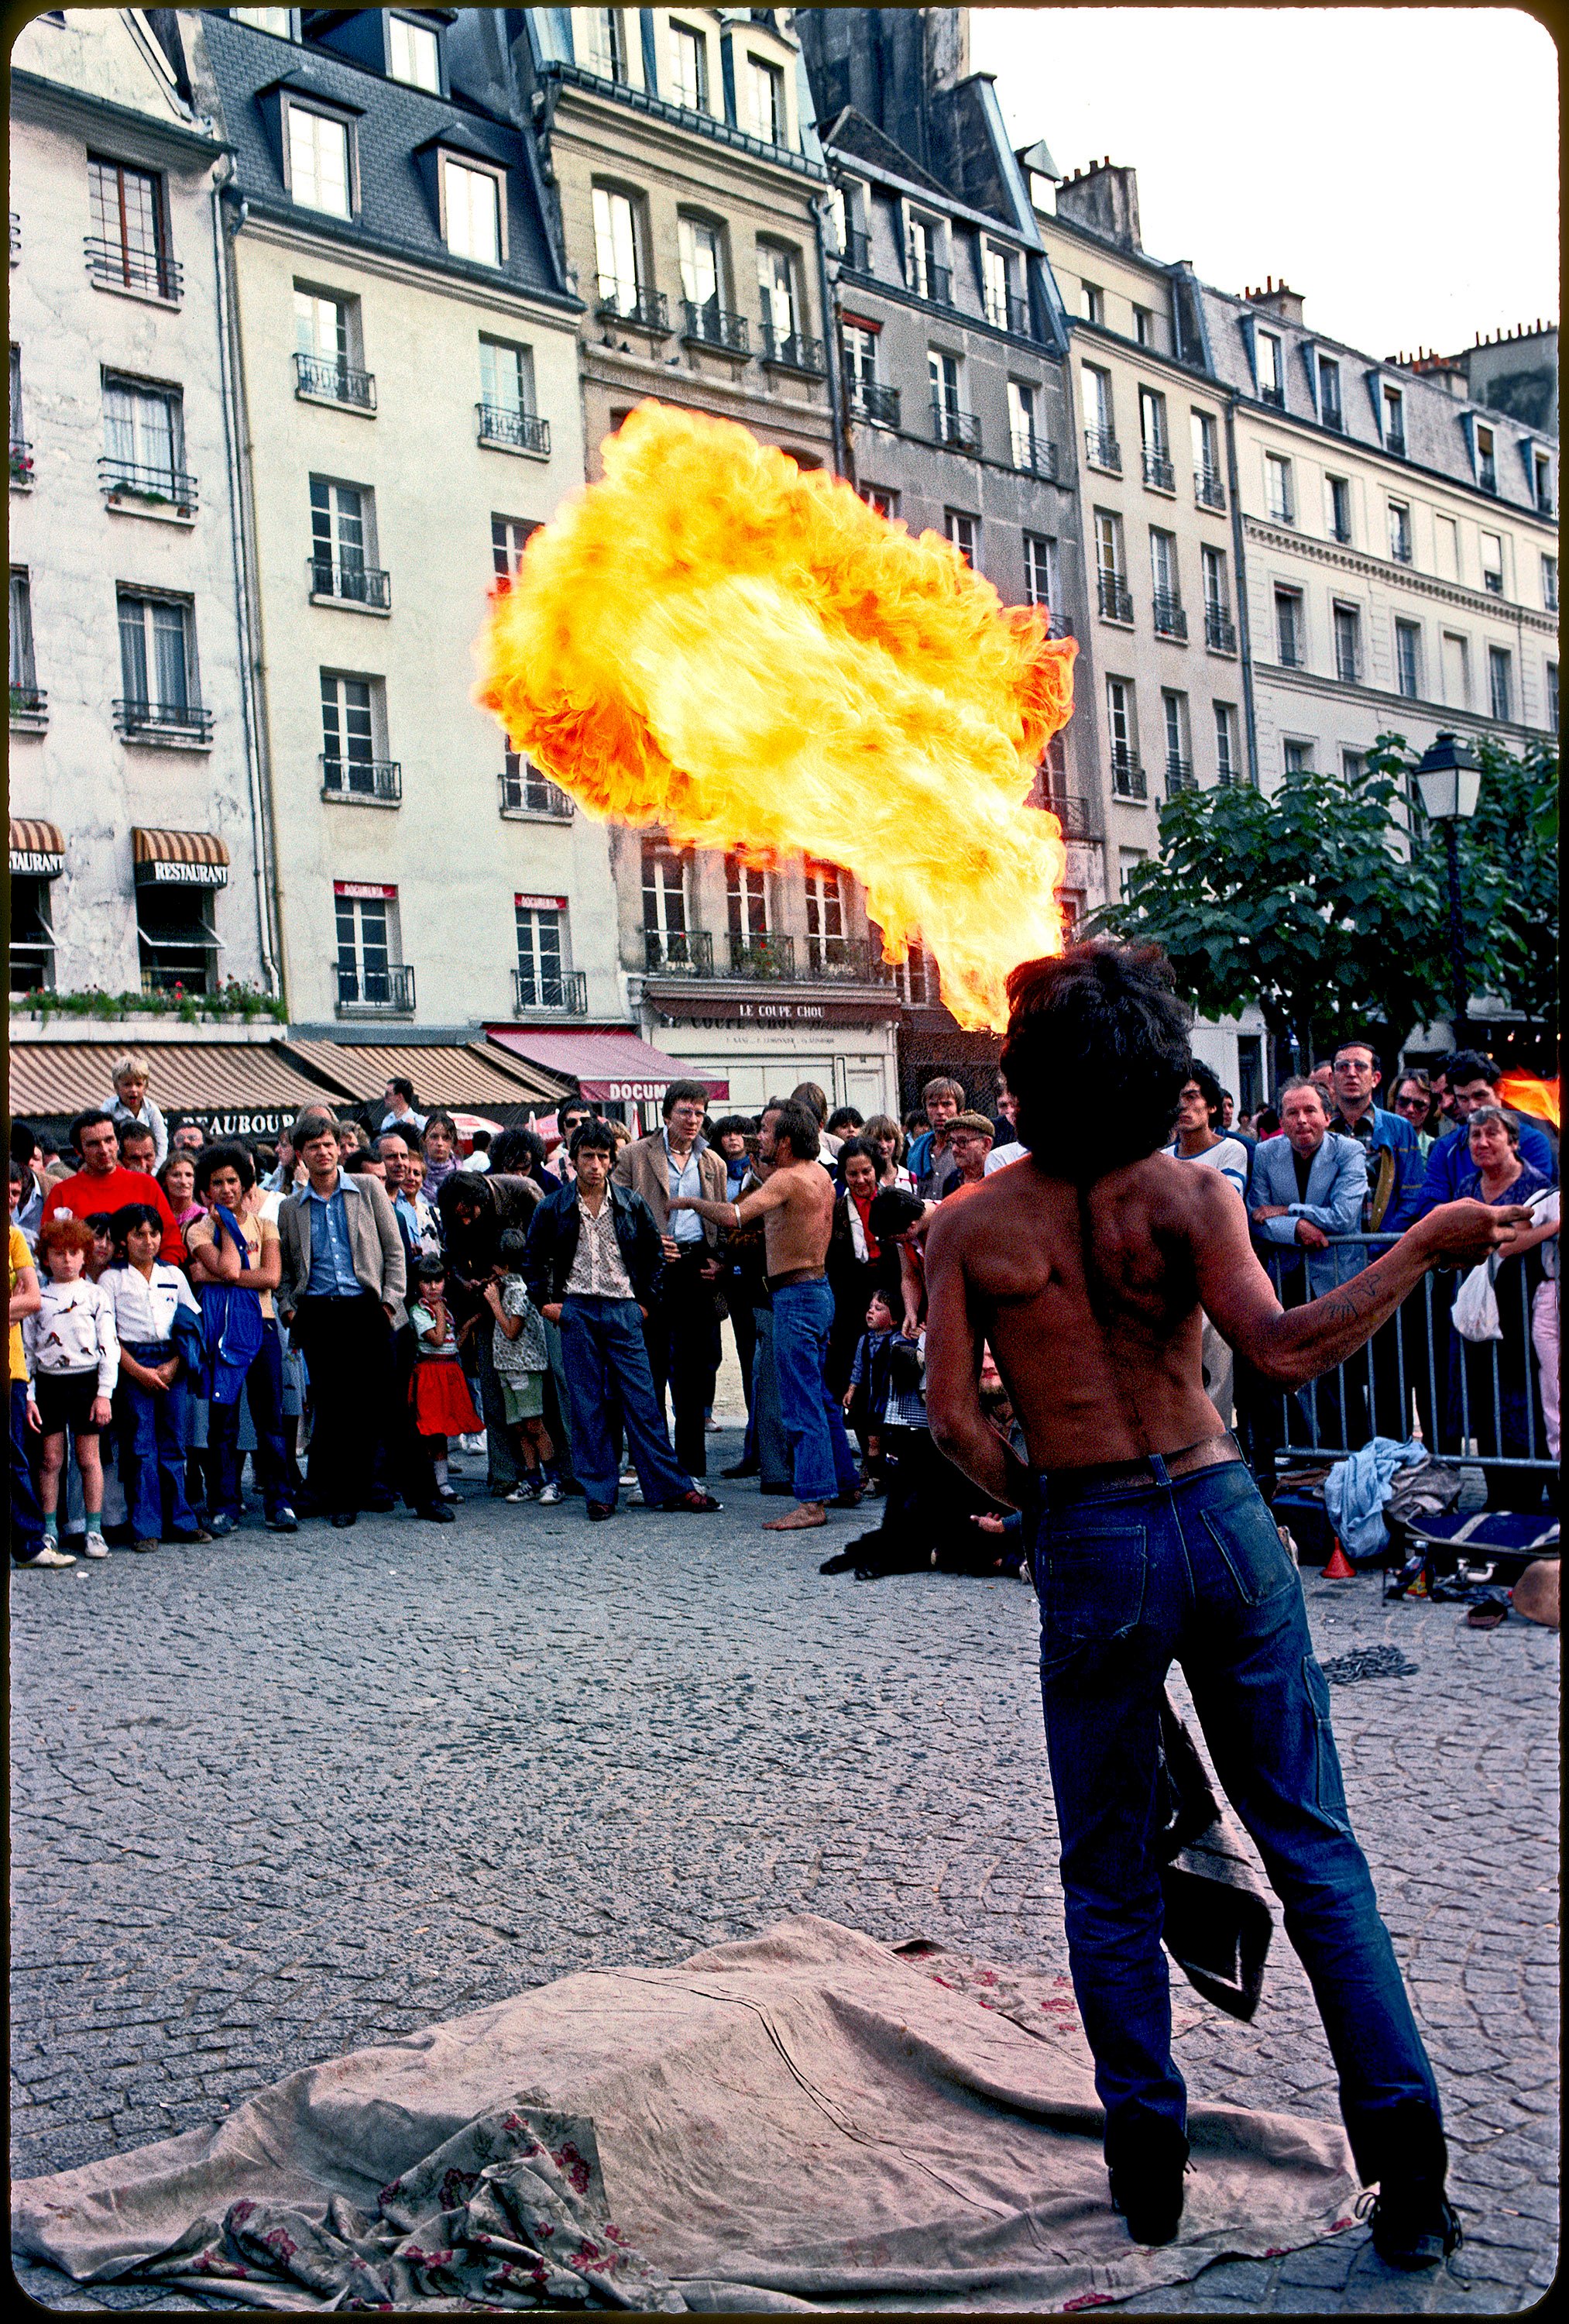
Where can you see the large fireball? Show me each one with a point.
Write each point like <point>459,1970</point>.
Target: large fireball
<point>711,641</point>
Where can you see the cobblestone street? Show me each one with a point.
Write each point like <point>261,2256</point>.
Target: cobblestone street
<point>275,1799</point>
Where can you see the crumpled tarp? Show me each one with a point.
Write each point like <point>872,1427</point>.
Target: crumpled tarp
<point>809,2118</point>
<point>1356,1488</point>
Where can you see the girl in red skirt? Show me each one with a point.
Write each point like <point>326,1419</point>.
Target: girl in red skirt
<point>442,1406</point>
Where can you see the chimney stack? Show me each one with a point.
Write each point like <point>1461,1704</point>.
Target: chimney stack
<point>1276,299</point>
<point>1104,197</point>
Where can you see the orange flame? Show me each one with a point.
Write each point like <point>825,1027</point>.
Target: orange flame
<point>1528,1095</point>
<point>710,640</point>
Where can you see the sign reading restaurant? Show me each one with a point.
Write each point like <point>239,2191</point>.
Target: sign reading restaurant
<point>165,874</point>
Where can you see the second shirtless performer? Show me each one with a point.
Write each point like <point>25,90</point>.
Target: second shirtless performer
<point>796,1204</point>
<point>1088,1267</point>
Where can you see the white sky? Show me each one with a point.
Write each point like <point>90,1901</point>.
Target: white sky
<point>1396,166</point>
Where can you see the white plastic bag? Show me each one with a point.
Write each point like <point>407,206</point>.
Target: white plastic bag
<point>1475,1311</point>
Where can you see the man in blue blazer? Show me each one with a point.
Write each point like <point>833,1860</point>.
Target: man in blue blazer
<point>1308,1184</point>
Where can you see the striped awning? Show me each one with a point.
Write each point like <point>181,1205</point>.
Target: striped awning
<point>468,1074</point>
<point>235,1088</point>
<point>179,858</point>
<point>37,848</point>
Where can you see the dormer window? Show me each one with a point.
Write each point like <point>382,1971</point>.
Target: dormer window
<point>318,161</point>
<point>767,100</point>
<point>1272,379</point>
<point>267,20</point>
<point>1393,408</point>
<point>688,67</point>
<point>603,50</point>
<point>414,55</point>
<point>1329,411</point>
<point>1486,460</point>
<point>471,211</point>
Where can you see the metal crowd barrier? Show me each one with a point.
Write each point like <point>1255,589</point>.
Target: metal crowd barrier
<point>1470,1400</point>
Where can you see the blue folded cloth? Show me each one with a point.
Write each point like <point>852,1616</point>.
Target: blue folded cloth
<point>1356,1488</point>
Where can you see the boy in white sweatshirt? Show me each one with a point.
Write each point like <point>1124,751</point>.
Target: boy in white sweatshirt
<point>73,1361</point>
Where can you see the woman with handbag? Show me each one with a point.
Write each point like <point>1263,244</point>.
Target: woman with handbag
<point>1502,1410</point>
<point>236,1263</point>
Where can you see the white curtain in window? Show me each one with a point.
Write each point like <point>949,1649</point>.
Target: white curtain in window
<point>319,162</point>
<point>472,213</point>
<point>615,247</point>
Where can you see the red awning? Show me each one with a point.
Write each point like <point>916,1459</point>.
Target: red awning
<point>606,1066</point>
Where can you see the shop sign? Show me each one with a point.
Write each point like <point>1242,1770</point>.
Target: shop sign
<point>711,1009</point>
<point>182,875</point>
<point>31,864</point>
<point>266,1123</point>
<point>371,891</point>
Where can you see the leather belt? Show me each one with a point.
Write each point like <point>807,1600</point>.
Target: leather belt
<point>789,1274</point>
<point>1118,1476</point>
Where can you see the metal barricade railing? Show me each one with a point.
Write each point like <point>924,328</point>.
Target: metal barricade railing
<point>1468,1400</point>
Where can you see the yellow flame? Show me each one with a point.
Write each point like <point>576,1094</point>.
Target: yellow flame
<point>1528,1095</point>
<point>711,641</point>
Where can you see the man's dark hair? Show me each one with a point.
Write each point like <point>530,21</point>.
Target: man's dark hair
<point>734,1125</point>
<point>316,1121</point>
<point>482,1140</point>
<point>224,1158</point>
<point>846,1119</point>
<point>894,1212</point>
<point>89,1119</point>
<point>402,1087</point>
<point>359,1164</point>
<point>1267,1121</point>
<point>685,1093</point>
<point>812,1098</point>
<point>1101,1020</point>
<point>1356,1041</point>
<point>1209,1084</point>
<point>23,1139</point>
<point>860,1150</point>
<point>139,1132</point>
<point>573,1105</point>
<point>1464,1065</point>
<point>595,1133</point>
<point>517,1153</point>
<point>19,1171</point>
<point>800,1126</point>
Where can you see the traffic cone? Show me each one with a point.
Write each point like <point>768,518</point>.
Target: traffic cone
<point>1339,1567</point>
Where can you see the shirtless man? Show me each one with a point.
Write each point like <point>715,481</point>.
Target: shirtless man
<point>1086,1269</point>
<point>796,1204</point>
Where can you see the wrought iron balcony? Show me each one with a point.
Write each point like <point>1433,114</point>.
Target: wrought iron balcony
<point>1019,319</point>
<point>1115,599</point>
<point>961,430</point>
<point>327,380</point>
<point>1179,774</point>
<point>858,251</point>
<point>115,267</point>
<point>1102,450</point>
<point>794,352</point>
<point>29,708</point>
<point>1127,774</point>
<point>1340,532</point>
<point>870,402</point>
<point>1546,505</point>
<point>1034,455</point>
<point>678,952</point>
<point>513,431</point>
<point>1207,488</point>
<point>1400,552</point>
<point>21,464</point>
<point>845,960</point>
<point>1275,395</point>
<point>1072,812</point>
<point>1395,442</point>
<point>1171,621</point>
<point>374,992</point>
<point>933,284</point>
<point>762,955</point>
<point>183,723</point>
<point>378,782</point>
<point>563,991</point>
<point>160,487</point>
<point>1159,471</point>
<point>1219,631</point>
<point>350,584</point>
<point>644,311</point>
<point>525,791</point>
<point>709,325</point>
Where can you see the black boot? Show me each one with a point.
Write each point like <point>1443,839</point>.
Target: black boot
<point>1145,2156</point>
<point>1414,2223</point>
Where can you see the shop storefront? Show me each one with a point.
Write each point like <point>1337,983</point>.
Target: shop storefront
<point>764,1044</point>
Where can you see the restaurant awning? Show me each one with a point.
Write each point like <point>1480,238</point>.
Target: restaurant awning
<point>468,1074</point>
<point>37,849</point>
<point>179,858</point>
<point>606,1066</point>
<point>235,1089</point>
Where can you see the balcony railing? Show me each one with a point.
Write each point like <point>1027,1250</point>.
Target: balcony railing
<point>1102,450</point>
<point>1219,631</point>
<point>351,585</point>
<point>379,781</point>
<point>1546,504</point>
<point>1395,442</point>
<point>1179,774</point>
<point>21,464</point>
<point>1291,654</point>
<point>29,709</point>
<point>1401,551</point>
<point>715,327</point>
<point>847,960</point>
<point>160,487</point>
<point>1207,488</point>
<point>1071,811</point>
<point>678,952</point>
<point>514,431</point>
<point>564,990</point>
<point>1018,318</point>
<point>959,429</point>
<point>1127,774</point>
<point>1340,532</point>
<point>792,351</point>
<point>1034,455</point>
<point>762,955</point>
<point>858,251</point>
<point>1159,471</point>
<point>525,791</point>
<point>331,381</point>
<point>179,723</point>
<point>1171,621</point>
<point>880,405</point>
<point>644,310</point>
<point>1115,599</point>
<point>1275,395</point>
<point>116,268</point>
<point>375,991</point>
<point>1333,417</point>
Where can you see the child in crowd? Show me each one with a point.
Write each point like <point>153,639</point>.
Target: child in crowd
<point>443,1406</point>
<point>886,1398</point>
<point>520,1352</point>
<point>131,1103</point>
<point>153,1304</point>
<point>73,1359</point>
<point>103,1250</point>
<point>27,1543</point>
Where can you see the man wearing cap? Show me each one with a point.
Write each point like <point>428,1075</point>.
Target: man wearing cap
<point>969,1141</point>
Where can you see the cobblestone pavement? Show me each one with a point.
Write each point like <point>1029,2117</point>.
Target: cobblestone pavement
<point>273,1800</point>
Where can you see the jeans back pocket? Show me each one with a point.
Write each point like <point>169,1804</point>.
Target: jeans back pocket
<point>1090,1581</point>
<point>1248,1542</point>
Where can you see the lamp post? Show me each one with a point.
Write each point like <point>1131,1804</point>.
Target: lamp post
<point>1448,783</point>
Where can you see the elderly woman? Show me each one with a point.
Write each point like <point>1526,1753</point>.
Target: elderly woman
<point>131,1103</point>
<point>1513,1426</point>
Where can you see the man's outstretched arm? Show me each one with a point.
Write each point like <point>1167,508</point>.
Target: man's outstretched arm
<point>751,1206</point>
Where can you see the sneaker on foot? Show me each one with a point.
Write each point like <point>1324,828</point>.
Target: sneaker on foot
<point>628,1477</point>
<point>447,1493</point>
<point>96,1546</point>
<point>283,1520</point>
<point>551,1495</point>
<point>48,1555</point>
<point>1414,2223</point>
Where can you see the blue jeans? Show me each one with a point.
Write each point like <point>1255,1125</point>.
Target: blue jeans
<point>152,1432</point>
<point>26,1524</point>
<point>824,1464</point>
<point>607,1364</point>
<point>264,1387</point>
<point>1193,1570</point>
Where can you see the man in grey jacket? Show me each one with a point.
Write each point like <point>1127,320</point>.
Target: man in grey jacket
<point>341,1295</point>
<point>1307,1187</point>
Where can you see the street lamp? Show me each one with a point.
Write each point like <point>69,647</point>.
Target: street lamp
<point>1448,783</point>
